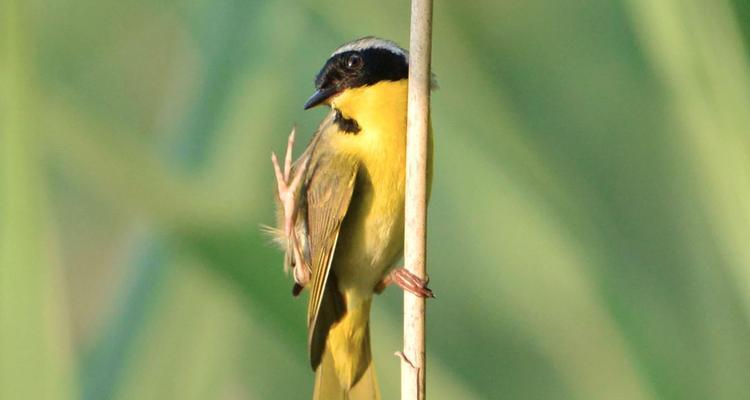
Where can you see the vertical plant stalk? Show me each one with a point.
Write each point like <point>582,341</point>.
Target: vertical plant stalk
<point>418,125</point>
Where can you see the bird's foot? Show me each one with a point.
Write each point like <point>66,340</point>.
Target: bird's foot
<point>406,280</point>
<point>287,186</point>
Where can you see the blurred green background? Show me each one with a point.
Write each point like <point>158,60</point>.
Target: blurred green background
<point>589,233</point>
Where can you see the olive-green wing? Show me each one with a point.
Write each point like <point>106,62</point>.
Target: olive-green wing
<point>328,192</point>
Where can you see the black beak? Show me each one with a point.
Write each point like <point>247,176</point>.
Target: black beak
<point>320,96</point>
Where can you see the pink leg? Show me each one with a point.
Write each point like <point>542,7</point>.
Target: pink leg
<point>407,281</point>
<point>287,188</point>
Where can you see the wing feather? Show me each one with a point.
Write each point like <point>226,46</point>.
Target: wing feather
<point>329,194</point>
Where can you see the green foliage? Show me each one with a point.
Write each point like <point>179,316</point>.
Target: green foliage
<point>588,229</point>
<point>35,356</point>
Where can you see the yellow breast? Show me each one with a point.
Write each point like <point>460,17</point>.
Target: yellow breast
<point>371,239</point>
<point>377,219</point>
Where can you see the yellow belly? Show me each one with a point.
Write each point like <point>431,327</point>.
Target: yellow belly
<point>371,239</point>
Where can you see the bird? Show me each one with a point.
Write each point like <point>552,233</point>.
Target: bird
<point>340,210</point>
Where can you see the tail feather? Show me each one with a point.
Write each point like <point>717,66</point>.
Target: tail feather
<point>328,387</point>
<point>346,371</point>
<point>367,387</point>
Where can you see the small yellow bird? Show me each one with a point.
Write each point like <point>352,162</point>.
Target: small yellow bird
<point>341,210</point>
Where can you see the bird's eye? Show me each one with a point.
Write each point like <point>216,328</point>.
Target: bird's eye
<point>354,61</point>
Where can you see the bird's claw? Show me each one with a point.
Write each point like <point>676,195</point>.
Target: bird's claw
<point>406,280</point>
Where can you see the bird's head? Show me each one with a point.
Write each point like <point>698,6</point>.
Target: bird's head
<point>360,63</point>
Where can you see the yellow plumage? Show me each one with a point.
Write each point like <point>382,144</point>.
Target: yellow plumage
<point>374,228</point>
<point>371,238</point>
